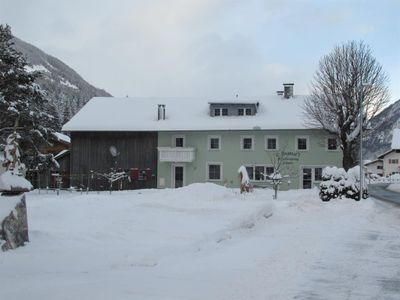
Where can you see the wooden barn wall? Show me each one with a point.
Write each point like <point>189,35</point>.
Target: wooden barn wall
<point>91,151</point>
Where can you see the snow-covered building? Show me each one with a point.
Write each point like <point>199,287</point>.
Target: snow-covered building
<point>391,158</point>
<point>173,142</point>
<point>375,167</point>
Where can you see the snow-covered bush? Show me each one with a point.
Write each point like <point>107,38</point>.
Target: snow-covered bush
<point>13,178</point>
<point>336,182</point>
<point>333,183</point>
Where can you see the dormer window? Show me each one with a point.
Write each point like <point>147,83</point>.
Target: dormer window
<point>218,109</point>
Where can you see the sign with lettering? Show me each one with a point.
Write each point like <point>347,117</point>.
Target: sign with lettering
<point>290,157</point>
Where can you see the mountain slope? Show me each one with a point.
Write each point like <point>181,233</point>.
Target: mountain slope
<point>380,138</point>
<point>67,90</point>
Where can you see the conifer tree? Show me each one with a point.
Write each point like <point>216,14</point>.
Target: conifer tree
<point>23,100</point>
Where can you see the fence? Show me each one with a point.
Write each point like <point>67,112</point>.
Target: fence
<point>88,181</point>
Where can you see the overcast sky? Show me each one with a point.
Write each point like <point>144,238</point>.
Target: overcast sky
<point>207,48</point>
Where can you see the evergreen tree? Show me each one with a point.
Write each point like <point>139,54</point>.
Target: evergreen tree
<point>22,102</point>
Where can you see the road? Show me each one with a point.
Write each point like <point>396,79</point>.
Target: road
<point>380,192</point>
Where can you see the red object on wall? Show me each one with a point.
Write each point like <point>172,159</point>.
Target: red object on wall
<point>148,174</point>
<point>134,174</point>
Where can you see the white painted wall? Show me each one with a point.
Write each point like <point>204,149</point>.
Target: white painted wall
<point>391,168</point>
<point>375,167</point>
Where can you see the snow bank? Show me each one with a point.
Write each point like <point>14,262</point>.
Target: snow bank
<point>395,187</point>
<point>9,181</point>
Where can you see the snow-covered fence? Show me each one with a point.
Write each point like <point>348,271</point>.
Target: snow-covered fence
<point>374,179</point>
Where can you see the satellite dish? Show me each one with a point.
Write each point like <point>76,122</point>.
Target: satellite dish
<point>113,151</point>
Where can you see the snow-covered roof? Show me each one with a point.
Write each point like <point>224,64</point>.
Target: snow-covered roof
<point>367,163</point>
<point>62,137</point>
<point>140,114</point>
<point>396,139</point>
<point>61,153</point>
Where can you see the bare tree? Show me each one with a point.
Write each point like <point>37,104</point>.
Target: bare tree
<point>348,78</point>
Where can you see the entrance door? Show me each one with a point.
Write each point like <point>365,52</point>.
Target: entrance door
<point>178,176</point>
<point>307,178</point>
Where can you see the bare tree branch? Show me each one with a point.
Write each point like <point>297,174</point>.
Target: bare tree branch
<point>336,90</point>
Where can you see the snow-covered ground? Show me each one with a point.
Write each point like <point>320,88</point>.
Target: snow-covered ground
<point>204,242</point>
<point>395,187</point>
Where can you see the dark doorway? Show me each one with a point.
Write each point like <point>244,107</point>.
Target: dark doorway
<point>178,176</point>
<point>307,178</point>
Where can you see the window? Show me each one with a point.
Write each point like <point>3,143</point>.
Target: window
<point>250,172</point>
<point>247,143</point>
<point>214,171</point>
<point>179,141</point>
<point>224,111</point>
<point>240,112</point>
<point>269,170</point>
<point>271,143</point>
<point>332,144</point>
<point>260,172</point>
<point>302,143</point>
<point>318,174</point>
<point>214,143</point>
<point>248,111</point>
<point>379,167</point>
<point>217,112</point>
<point>393,161</point>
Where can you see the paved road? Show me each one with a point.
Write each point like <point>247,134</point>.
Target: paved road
<point>379,191</point>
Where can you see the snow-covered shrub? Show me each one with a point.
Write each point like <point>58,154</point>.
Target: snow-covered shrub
<point>333,183</point>
<point>374,177</point>
<point>336,182</point>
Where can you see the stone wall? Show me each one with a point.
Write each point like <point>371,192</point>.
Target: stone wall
<point>14,228</point>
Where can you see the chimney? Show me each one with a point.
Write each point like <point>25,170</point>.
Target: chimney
<point>288,90</point>
<point>279,93</point>
<point>161,112</point>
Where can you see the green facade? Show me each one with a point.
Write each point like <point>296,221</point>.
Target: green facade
<point>231,156</point>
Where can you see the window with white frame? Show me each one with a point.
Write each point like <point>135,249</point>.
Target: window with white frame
<point>247,143</point>
<point>302,143</point>
<point>224,111</point>
<point>240,111</point>
<point>259,172</point>
<point>332,144</point>
<point>217,111</point>
<point>318,174</point>
<point>393,161</point>
<point>271,143</point>
<point>178,141</point>
<point>214,171</point>
<point>248,111</point>
<point>250,172</point>
<point>214,142</point>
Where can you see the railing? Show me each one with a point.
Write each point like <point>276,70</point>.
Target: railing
<point>178,154</point>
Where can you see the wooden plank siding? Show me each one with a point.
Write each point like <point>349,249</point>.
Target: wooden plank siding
<point>91,151</point>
